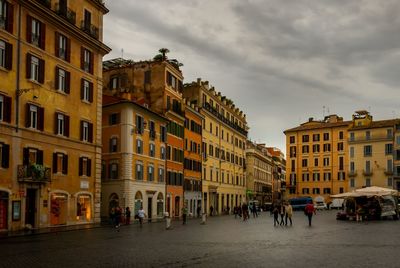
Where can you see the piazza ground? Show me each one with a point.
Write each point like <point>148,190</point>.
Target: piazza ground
<point>223,242</point>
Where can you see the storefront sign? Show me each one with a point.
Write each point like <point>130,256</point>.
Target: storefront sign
<point>16,210</point>
<point>84,185</point>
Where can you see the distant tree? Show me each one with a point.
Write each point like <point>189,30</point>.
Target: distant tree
<point>163,52</point>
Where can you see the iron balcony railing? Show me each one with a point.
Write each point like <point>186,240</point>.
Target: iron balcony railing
<point>66,13</point>
<point>90,29</point>
<point>46,3</point>
<point>26,174</point>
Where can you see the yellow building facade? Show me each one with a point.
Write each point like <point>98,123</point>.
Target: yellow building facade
<point>50,118</point>
<point>259,171</point>
<point>317,158</point>
<point>396,157</point>
<point>134,158</point>
<point>371,151</point>
<point>224,142</point>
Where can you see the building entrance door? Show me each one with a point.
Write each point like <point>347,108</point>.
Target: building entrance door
<point>3,210</point>
<point>177,207</point>
<point>30,207</point>
<point>149,208</point>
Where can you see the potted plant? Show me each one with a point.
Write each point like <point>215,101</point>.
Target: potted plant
<point>37,171</point>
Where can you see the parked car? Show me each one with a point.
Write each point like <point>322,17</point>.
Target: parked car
<point>319,205</point>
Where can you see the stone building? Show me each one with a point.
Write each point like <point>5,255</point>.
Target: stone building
<point>50,112</point>
<point>134,155</point>
<point>224,142</point>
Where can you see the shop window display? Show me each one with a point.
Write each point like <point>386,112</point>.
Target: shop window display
<point>59,209</point>
<point>83,208</point>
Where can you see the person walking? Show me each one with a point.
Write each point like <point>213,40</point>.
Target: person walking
<point>282,213</point>
<point>141,215</point>
<point>127,216</point>
<point>255,214</point>
<point>198,211</point>
<point>309,211</point>
<point>211,210</point>
<point>275,211</point>
<point>289,213</point>
<point>184,214</point>
<point>118,214</point>
<point>112,216</point>
<point>245,211</point>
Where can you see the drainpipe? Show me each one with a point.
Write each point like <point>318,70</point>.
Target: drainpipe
<point>17,89</point>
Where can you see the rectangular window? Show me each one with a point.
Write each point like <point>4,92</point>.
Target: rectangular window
<point>62,80</point>
<point>327,147</point>
<point>341,136</point>
<point>341,163</point>
<point>304,163</point>
<point>340,146</point>
<point>62,124</point>
<point>316,148</point>
<point>60,163</point>
<point>388,149</point>
<point>352,183</point>
<point>326,161</point>
<point>163,134</point>
<point>163,153</point>
<point>139,171</point>
<point>315,137</point>
<point>305,138</point>
<point>5,109</point>
<point>114,171</point>
<point>315,162</point>
<point>85,131</point>
<point>161,174</point>
<point>152,150</point>
<point>367,166</point>
<point>113,119</point>
<point>34,69</point>
<point>150,175</point>
<point>326,136</point>
<point>36,32</point>
<point>86,90</point>
<point>292,139</point>
<point>305,149</point>
<point>87,60</point>
<point>368,150</point>
<point>139,124</point>
<point>351,151</point>
<point>63,47</point>
<point>327,176</point>
<point>390,182</point>
<point>352,167</point>
<point>389,165</point>
<point>367,135</point>
<point>113,145</point>
<point>398,140</point>
<point>85,167</point>
<point>389,133</point>
<point>368,182</point>
<point>352,138</point>
<point>139,146</point>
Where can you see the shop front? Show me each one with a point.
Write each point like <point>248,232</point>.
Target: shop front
<point>58,209</point>
<point>83,207</point>
<point>4,199</point>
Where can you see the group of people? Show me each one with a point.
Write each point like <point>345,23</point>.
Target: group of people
<point>243,210</point>
<point>285,210</point>
<point>116,216</point>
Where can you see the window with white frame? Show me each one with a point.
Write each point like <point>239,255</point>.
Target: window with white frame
<point>3,14</point>
<point>62,46</point>
<point>60,124</point>
<point>35,32</point>
<point>33,114</point>
<point>1,107</point>
<point>162,152</point>
<point>152,150</point>
<point>62,81</point>
<point>139,146</point>
<point>114,171</point>
<point>85,131</point>
<point>160,174</point>
<point>86,60</point>
<point>86,90</point>
<point>34,69</point>
<point>139,171</point>
<point>150,176</point>
<point>114,145</point>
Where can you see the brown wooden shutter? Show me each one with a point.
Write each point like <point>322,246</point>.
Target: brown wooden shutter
<point>41,71</point>
<point>57,78</point>
<point>25,156</point>
<point>42,36</point>
<point>5,158</point>
<point>89,167</point>
<point>80,166</point>
<point>54,162</point>
<point>28,65</point>
<point>7,109</point>
<point>67,82</point>
<point>57,45</point>
<point>82,88</point>
<point>68,50</point>
<point>9,56</point>
<point>82,58</point>
<point>10,18</point>
<point>90,92</point>
<point>56,123</point>
<point>66,125</point>
<point>29,29</point>
<point>90,132</point>
<point>27,115</point>
<point>39,157</point>
<point>65,164</point>
<point>40,118</point>
<point>91,65</point>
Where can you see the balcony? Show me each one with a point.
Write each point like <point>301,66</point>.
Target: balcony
<point>209,108</point>
<point>46,3</point>
<point>388,172</point>
<point>367,172</point>
<point>370,138</point>
<point>352,173</point>
<point>66,13</point>
<point>25,174</point>
<point>90,29</point>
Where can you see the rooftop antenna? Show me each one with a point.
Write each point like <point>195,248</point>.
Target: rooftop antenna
<point>122,53</point>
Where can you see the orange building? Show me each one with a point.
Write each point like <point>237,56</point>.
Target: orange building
<point>50,111</point>
<point>193,159</point>
<point>158,85</point>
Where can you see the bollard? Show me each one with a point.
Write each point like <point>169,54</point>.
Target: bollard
<point>203,218</point>
<point>167,221</point>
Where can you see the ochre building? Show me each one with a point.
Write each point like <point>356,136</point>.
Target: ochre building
<point>50,112</point>
<point>157,84</point>
<point>224,142</point>
<point>317,159</point>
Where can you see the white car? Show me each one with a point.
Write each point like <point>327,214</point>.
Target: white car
<point>319,205</point>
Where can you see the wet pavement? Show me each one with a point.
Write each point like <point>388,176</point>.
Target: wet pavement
<point>223,242</point>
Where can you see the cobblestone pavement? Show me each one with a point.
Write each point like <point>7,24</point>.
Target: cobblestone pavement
<point>222,242</point>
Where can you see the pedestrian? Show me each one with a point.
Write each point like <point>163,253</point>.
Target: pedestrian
<point>239,209</point>
<point>211,210</point>
<point>112,216</point>
<point>198,211</point>
<point>255,214</point>
<point>289,213</point>
<point>282,213</point>
<point>275,211</point>
<point>309,211</point>
<point>235,211</point>
<point>127,216</point>
<point>184,215</point>
<point>118,214</point>
<point>141,215</point>
<point>245,211</point>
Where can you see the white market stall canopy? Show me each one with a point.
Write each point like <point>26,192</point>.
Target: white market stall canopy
<point>367,191</point>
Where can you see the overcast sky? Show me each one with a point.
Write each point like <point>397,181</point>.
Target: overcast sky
<point>280,61</point>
